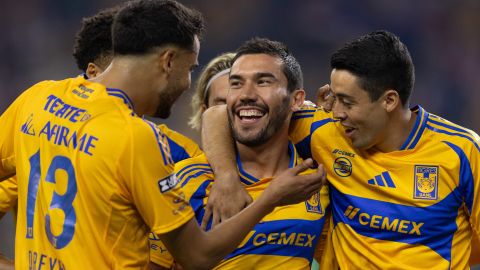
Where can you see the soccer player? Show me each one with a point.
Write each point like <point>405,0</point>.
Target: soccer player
<point>92,53</point>
<point>266,87</point>
<point>211,89</point>
<point>405,183</point>
<point>94,178</point>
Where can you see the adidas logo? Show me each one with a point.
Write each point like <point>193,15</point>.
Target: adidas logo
<point>382,180</point>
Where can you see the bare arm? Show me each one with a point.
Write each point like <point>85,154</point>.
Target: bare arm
<point>228,196</point>
<point>154,266</point>
<point>193,248</point>
<point>6,263</point>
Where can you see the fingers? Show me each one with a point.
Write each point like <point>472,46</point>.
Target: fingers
<point>307,163</point>
<point>324,98</point>
<point>249,200</point>
<point>321,94</point>
<point>216,218</point>
<point>206,218</point>
<point>315,181</point>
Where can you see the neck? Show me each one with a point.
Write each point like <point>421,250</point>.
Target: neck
<point>129,74</point>
<point>398,129</point>
<point>268,159</point>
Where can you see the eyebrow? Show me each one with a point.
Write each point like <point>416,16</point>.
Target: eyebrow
<point>341,95</point>
<point>256,76</point>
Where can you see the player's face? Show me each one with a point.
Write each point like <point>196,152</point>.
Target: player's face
<point>183,63</point>
<point>363,120</point>
<point>217,94</point>
<point>258,101</point>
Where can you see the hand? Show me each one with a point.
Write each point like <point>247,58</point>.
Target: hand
<point>324,98</point>
<point>227,198</point>
<point>291,188</point>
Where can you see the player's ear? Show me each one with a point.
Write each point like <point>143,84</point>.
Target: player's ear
<point>298,97</point>
<point>166,59</point>
<point>391,100</point>
<point>93,70</point>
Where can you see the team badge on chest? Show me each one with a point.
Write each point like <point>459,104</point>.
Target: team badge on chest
<point>313,204</point>
<point>426,182</point>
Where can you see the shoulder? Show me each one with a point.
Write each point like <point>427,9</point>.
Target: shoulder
<point>193,166</point>
<point>452,134</point>
<point>178,138</point>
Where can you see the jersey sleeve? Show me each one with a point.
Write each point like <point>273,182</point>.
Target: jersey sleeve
<point>8,194</point>
<point>303,123</point>
<point>159,253</point>
<point>151,180</point>
<point>181,147</point>
<point>472,197</point>
<point>194,176</point>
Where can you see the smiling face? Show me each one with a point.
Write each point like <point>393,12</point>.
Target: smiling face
<point>364,120</point>
<point>258,101</point>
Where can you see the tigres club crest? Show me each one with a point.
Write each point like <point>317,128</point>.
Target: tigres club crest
<point>426,182</point>
<point>313,204</point>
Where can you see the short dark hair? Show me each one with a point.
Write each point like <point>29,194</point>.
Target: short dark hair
<point>381,61</point>
<point>93,42</point>
<point>142,25</point>
<point>291,67</point>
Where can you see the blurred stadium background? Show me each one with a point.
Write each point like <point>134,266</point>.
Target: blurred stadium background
<point>442,36</point>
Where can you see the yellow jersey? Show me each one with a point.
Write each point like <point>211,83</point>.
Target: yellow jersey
<point>93,178</point>
<point>284,239</point>
<point>415,208</point>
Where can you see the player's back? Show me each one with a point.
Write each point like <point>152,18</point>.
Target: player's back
<point>73,161</point>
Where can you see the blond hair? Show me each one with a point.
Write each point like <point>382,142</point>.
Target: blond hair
<point>201,95</point>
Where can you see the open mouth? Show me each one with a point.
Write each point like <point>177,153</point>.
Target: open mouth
<point>349,131</point>
<point>250,115</point>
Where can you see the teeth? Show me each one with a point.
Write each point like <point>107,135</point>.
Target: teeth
<point>250,113</point>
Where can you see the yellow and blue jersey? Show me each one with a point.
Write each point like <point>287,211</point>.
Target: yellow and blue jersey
<point>93,179</point>
<point>284,239</point>
<point>181,147</point>
<point>415,208</point>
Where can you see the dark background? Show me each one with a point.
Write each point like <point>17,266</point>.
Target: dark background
<point>37,37</point>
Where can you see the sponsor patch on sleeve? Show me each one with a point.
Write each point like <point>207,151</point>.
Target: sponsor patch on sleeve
<point>168,183</point>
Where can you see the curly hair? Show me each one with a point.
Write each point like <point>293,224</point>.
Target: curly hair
<point>142,25</point>
<point>93,42</point>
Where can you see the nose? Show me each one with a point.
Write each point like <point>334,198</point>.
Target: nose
<point>248,92</point>
<point>338,112</point>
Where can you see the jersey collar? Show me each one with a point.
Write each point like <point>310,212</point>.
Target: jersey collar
<point>418,128</point>
<point>249,179</point>
<point>123,96</point>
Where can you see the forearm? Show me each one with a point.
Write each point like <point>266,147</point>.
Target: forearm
<point>195,249</point>
<point>217,142</point>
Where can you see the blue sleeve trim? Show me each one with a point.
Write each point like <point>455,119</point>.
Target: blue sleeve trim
<point>466,176</point>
